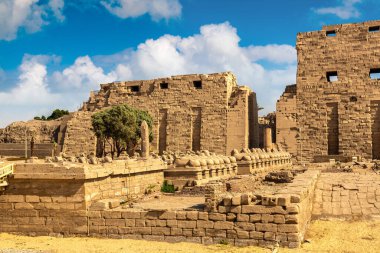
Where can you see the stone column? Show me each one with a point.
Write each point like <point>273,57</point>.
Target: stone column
<point>144,140</point>
<point>268,138</point>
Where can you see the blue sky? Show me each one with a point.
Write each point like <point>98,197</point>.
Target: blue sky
<point>53,52</point>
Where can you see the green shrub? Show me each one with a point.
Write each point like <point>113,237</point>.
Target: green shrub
<point>166,187</point>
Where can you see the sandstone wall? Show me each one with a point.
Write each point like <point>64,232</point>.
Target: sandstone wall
<point>41,205</point>
<point>77,135</point>
<point>286,120</point>
<point>339,117</point>
<point>190,112</point>
<point>42,131</point>
<point>18,149</point>
<point>54,198</point>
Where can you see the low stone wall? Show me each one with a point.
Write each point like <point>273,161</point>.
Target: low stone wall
<point>40,205</point>
<point>240,220</point>
<point>18,149</point>
<point>51,198</point>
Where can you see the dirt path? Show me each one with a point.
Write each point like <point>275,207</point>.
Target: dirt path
<point>324,236</point>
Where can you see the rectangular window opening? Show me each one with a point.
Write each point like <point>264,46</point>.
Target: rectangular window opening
<point>374,74</point>
<point>332,76</point>
<point>197,84</point>
<point>331,33</point>
<point>373,29</point>
<point>164,85</point>
<point>135,88</point>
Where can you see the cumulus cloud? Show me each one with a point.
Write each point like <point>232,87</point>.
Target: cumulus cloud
<point>346,10</point>
<point>215,49</point>
<point>82,75</point>
<point>31,92</point>
<point>29,15</point>
<point>157,9</point>
<point>57,8</point>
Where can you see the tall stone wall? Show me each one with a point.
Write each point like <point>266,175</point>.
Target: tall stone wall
<point>190,112</point>
<point>339,117</point>
<point>238,121</point>
<point>286,120</point>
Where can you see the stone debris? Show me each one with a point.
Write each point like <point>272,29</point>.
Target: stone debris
<point>279,177</point>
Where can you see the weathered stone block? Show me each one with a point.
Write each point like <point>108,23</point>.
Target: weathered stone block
<point>256,235</point>
<point>205,224</point>
<point>288,228</point>
<point>176,231</point>
<point>161,231</point>
<point>223,225</point>
<point>192,215</point>
<point>266,227</point>
<point>202,215</point>
<point>245,199</point>
<point>267,218</point>
<point>130,215</point>
<point>15,198</point>
<point>279,219</point>
<point>235,209</point>
<point>216,233</point>
<point>242,217</point>
<point>236,201</point>
<point>269,236</point>
<point>187,224</point>
<point>254,218</point>
<point>247,226</point>
<point>257,209</point>
<point>32,199</point>
<point>171,223</point>
<point>23,206</point>
<point>217,217</point>
<point>168,215</point>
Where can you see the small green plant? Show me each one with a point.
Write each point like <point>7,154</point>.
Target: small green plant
<point>150,189</point>
<point>166,187</point>
<point>223,242</point>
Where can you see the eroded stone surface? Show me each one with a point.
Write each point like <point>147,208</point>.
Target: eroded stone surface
<point>347,195</point>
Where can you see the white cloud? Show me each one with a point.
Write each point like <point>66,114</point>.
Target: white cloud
<point>57,8</point>
<point>215,49</point>
<point>273,53</point>
<point>347,10</point>
<point>82,75</point>
<point>29,15</point>
<point>30,94</point>
<point>157,9</point>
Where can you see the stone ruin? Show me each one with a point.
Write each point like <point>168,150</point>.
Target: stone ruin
<point>198,168</point>
<point>185,110</point>
<point>333,110</point>
<point>77,194</point>
<point>251,161</point>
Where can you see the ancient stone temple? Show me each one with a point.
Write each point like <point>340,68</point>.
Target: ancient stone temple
<point>286,120</point>
<point>338,91</point>
<point>190,112</point>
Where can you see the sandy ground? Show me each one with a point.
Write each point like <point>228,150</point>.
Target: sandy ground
<point>323,236</point>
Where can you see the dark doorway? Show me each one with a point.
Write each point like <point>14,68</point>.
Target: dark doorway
<point>196,128</point>
<point>333,128</point>
<point>162,130</point>
<point>375,119</point>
